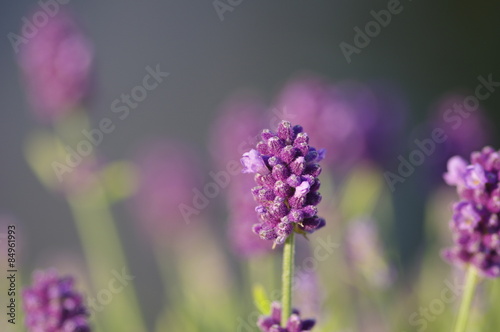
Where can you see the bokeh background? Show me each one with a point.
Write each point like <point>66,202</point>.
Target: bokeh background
<point>428,50</point>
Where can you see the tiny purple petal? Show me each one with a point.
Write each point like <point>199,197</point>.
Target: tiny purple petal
<point>253,163</point>
<point>456,171</point>
<point>475,177</point>
<point>302,189</point>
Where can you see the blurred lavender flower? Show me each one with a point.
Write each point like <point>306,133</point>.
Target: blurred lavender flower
<point>353,121</point>
<point>234,131</point>
<point>287,191</point>
<point>322,109</point>
<point>295,323</point>
<point>242,217</point>
<point>364,251</point>
<point>56,65</point>
<point>475,225</point>
<point>382,113</point>
<point>465,134</point>
<point>167,174</point>
<point>307,292</point>
<point>52,305</point>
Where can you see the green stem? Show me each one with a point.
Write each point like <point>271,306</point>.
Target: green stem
<point>287,276</point>
<point>105,258</point>
<point>471,282</point>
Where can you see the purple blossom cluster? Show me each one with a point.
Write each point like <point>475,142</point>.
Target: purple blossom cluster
<point>52,305</point>
<point>286,170</point>
<point>295,323</point>
<point>167,174</point>
<point>242,217</point>
<point>354,121</point>
<point>475,224</point>
<point>56,64</point>
<point>234,132</point>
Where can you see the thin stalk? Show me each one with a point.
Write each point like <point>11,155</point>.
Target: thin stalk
<point>471,282</point>
<point>287,276</point>
<point>105,258</point>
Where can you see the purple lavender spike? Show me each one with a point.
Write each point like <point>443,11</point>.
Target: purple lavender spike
<point>292,197</point>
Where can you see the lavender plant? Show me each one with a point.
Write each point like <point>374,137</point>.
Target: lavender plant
<point>475,225</point>
<point>286,170</point>
<point>52,304</point>
<point>233,132</point>
<point>56,66</point>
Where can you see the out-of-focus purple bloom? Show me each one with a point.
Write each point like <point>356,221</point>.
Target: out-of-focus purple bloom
<point>353,121</point>
<point>382,114</point>
<point>285,202</point>
<point>56,64</point>
<point>475,225</point>
<point>242,217</point>
<point>321,109</point>
<point>272,323</point>
<point>168,175</point>
<point>307,292</point>
<point>456,171</point>
<point>234,132</point>
<point>365,252</point>
<point>52,305</point>
<point>464,133</point>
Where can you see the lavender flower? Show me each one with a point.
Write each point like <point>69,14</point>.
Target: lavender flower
<point>307,293</point>
<point>241,218</point>
<point>464,134</point>
<point>56,64</point>
<point>475,224</point>
<point>381,112</point>
<point>234,132</point>
<point>323,109</point>
<point>365,252</point>
<point>167,175</point>
<point>287,191</point>
<point>52,305</point>
<point>271,323</point>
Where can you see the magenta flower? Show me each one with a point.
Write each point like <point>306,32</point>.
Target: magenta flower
<point>464,134</point>
<point>287,191</point>
<point>241,217</point>
<point>56,63</point>
<point>475,225</point>
<point>324,110</point>
<point>168,177</point>
<point>272,323</point>
<point>353,121</point>
<point>52,305</point>
<point>234,132</point>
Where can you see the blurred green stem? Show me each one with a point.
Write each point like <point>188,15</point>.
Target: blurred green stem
<point>287,276</point>
<point>105,259</point>
<point>471,282</point>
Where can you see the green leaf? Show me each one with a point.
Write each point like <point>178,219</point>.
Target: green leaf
<point>261,300</point>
